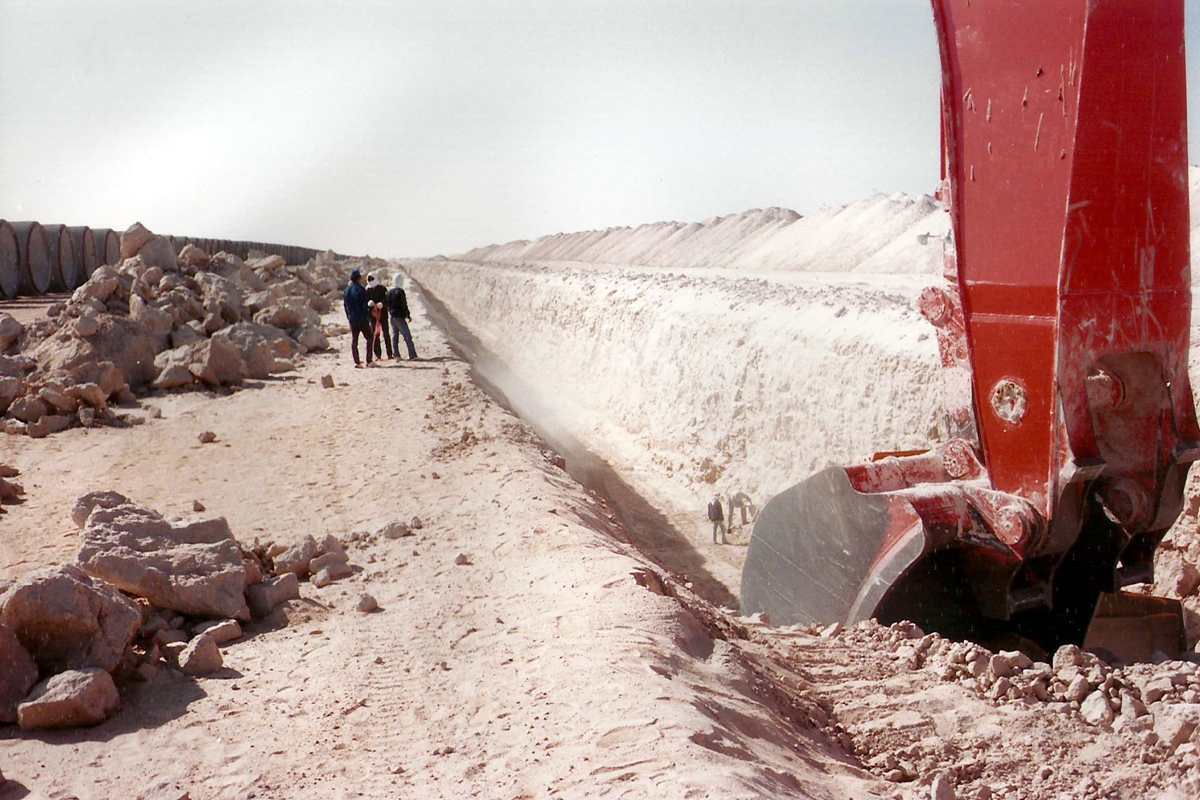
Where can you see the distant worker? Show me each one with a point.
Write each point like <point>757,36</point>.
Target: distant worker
<point>718,518</point>
<point>741,500</point>
<point>358,315</point>
<point>397,305</point>
<point>378,294</point>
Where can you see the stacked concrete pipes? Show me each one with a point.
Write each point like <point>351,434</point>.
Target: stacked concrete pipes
<point>36,258</point>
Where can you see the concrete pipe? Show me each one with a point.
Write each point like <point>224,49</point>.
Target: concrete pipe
<point>10,261</point>
<point>86,257</point>
<point>62,258</point>
<point>34,252</point>
<point>108,245</point>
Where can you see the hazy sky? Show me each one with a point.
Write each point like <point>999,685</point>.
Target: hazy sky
<point>413,127</point>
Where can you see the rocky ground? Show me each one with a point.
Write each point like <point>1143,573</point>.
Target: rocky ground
<point>525,643</point>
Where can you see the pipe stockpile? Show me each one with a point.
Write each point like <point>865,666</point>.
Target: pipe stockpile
<point>86,257</point>
<point>108,246</point>
<point>36,259</point>
<point>62,258</point>
<point>10,261</point>
<point>34,250</point>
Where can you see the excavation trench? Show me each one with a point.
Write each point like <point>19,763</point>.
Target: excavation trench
<point>648,528</point>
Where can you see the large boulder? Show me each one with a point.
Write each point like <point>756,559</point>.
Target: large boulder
<point>312,339</point>
<point>289,313</point>
<point>158,253</point>
<point>10,331</point>
<point>100,286</point>
<point>215,361</point>
<point>256,349</point>
<point>248,334</point>
<point>28,409</point>
<point>220,296</point>
<point>85,505</point>
<point>133,239</point>
<point>193,256</point>
<point>194,567</point>
<point>267,263</point>
<point>156,321</point>
<point>18,673</point>
<point>67,619</point>
<point>120,341</point>
<point>10,390</point>
<point>70,700</point>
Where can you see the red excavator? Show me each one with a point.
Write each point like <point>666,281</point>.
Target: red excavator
<point>1063,332</point>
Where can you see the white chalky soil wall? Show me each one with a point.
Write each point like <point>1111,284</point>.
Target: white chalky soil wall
<point>700,380</point>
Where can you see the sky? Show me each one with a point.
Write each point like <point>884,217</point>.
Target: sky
<point>416,127</point>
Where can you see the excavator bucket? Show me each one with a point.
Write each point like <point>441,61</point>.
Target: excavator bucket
<point>1063,330</point>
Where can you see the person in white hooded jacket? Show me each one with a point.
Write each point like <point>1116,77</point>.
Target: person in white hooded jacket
<point>397,306</point>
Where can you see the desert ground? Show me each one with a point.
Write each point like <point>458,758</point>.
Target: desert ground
<point>554,620</point>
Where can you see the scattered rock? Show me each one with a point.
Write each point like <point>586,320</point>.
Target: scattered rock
<point>221,631</point>
<point>395,530</point>
<point>416,524</point>
<point>296,558</point>
<point>462,559</point>
<point>92,500</point>
<point>67,619</point>
<point>330,544</point>
<point>86,326</point>
<point>167,636</point>
<point>51,423</point>
<point>320,562</point>
<point>263,597</point>
<point>207,437</point>
<point>10,331</point>
<point>1078,690</point>
<point>70,699</point>
<point>331,572</point>
<point>166,790</point>
<point>192,568</point>
<point>1096,710</point>
<point>18,673</point>
<point>367,604</point>
<point>327,381</point>
<point>28,409</point>
<point>1175,724</point>
<point>201,656</point>
<point>941,789</point>
<point>197,506</point>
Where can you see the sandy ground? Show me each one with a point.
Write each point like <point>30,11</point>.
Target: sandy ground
<point>555,664</point>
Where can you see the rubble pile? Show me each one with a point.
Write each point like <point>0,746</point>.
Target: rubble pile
<point>161,321</point>
<point>145,594</point>
<point>1153,710</point>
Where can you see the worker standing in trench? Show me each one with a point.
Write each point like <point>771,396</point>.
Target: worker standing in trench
<point>717,515</point>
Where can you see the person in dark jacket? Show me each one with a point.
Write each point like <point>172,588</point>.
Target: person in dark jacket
<point>397,305</point>
<point>377,294</point>
<point>717,515</point>
<point>355,302</point>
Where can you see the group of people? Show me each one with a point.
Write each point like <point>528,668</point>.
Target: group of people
<point>370,309</point>
<point>716,515</point>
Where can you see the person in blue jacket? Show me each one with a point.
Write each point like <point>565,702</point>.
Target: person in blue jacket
<point>355,302</point>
